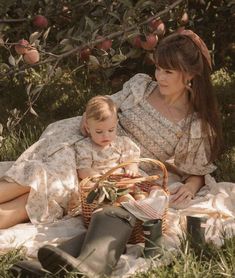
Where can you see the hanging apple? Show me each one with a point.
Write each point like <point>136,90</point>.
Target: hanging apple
<point>22,47</point>
<point>150,42</point>
<point>40,21</point>
<point>31,57</point>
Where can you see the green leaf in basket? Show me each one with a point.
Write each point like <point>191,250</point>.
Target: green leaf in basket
<point>122,191</point>
<point>112,196</point>
<point>101,196</point>
<point>106,192</point>
<point>92,195</point>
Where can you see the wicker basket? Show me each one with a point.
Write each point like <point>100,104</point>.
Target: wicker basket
<point>144,183</point>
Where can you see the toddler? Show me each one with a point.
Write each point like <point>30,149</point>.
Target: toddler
<point>103,149</point>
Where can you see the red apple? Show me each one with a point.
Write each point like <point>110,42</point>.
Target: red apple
<point>137,41</point>
<point>158,26</point>
<point>85,53</point>
<point>150,42</point>
<point>22,47</point>
<point>40,21</point>
<point>104,45</point>
<point>31,57</point>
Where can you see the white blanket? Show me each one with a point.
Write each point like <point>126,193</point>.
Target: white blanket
<point>216,201</point>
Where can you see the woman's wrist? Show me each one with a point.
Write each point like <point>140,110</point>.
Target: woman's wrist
<point>194,183</point>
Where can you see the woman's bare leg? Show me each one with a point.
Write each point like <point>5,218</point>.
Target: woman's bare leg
<point>13,212</point>
<point>11,190</point>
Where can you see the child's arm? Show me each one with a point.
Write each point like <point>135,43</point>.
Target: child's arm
<point>87,172</point>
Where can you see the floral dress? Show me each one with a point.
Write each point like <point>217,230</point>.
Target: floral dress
<point>90,156</point>
<point>49,165</point>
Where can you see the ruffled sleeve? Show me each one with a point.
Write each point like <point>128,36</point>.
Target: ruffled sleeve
<point>130,151</point>
<point>133,91</point>
<point>191,154</point>
<point>83,154</point>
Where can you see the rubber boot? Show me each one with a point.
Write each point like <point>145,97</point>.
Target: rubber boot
<point>196,230</point>
<point>33,269</point>
<point>105,241</point>
<point>73,246</point>
<point>27,269</point>
<point>152,233</point>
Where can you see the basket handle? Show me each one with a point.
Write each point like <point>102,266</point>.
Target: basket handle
<point>154,161</point>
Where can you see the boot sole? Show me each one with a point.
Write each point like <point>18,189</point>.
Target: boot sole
<point>56,261</point>
<point>27,270</point>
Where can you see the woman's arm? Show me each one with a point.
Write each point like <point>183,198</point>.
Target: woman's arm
<point>187,191</point>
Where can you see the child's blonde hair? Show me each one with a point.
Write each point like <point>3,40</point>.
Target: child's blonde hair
<point>100,108</point>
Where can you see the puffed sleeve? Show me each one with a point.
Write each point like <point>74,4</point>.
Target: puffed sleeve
<point>132,92</point>
<point>192,154</point>
<point>130,151</point>
<point>83,154</point>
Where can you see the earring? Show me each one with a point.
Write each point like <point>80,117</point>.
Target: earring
<point>189,84</point>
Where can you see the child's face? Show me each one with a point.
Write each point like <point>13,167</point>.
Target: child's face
<point>103,132</point>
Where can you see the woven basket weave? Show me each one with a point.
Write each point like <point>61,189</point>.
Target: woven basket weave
<point>143,183</point>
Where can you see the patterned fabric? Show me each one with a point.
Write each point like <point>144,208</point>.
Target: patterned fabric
<point>158,137</point>
<point>89,156</point>
<point>49,165</point>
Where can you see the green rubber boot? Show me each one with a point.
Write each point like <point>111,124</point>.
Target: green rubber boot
<point>152,233</point>
<point>105,241</point>
<point>33,269</point>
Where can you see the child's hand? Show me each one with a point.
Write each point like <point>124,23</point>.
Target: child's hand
<point>132,170</point>
<point>73,203</point>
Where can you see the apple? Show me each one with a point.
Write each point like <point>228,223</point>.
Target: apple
<point>40,21</point>
<point>150,42</point>
<point>184,19</point>
<point>85,53</point>
<point>22,47</point>
<point>137,41</point>
<point>31,57</point>
<point>140,195</point>
<point>158,26</point>
<point>104,45</point>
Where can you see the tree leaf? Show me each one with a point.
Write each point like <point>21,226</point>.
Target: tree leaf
<point>12,60</point>
<point>32,111</point>
<point>1,128</point>
<point>127,3</point>
<point>92,196</point>
<point>34,36</point>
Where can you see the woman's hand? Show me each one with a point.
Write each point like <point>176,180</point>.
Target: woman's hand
<point>181,195</point>
<point>184,194</point>
<point>83,125</point>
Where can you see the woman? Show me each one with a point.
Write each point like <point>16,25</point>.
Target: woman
<point>174,117</point>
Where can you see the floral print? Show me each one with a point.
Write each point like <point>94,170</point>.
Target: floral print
<point>49,165</point>
<point>89,156</point>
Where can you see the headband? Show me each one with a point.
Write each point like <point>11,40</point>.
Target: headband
<point>200,44</point>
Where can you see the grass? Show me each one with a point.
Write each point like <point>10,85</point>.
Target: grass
<point>209,261</point>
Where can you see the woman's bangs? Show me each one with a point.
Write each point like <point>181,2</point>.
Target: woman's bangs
<point>166,58</point>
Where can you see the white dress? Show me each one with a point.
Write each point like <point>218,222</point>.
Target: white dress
<point>119,151</point>
<point>49,165</point>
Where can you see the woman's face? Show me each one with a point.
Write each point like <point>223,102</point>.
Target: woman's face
<point>170,82</point>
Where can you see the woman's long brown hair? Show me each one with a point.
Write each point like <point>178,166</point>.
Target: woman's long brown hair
<point>178,52</point>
